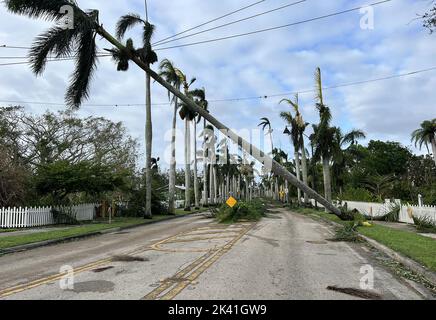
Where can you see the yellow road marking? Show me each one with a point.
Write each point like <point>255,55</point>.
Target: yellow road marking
<point>168,283</point>
<point>193,271</point>
<point>49,279</point>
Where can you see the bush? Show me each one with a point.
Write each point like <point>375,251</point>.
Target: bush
<point>425,224</point>
<point>248,211</point>
<point>357,194</point>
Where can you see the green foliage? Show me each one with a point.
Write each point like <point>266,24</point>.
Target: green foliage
<point>251,211</point>
<point>357,194</point>
<point>425,224</point>
<point>60,179</point>
<point>386,158</point>
<point>347,233</point>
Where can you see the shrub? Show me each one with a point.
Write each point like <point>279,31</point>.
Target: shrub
<point>357,194</point>
<point>425,224</point>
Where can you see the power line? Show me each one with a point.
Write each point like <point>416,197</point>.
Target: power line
<point>264,97</point>
<point>233,22</point>
<point>210,21</point>
<point>273,28</point>
<point>48,60</point>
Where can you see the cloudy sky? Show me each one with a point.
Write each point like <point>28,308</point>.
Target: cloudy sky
<point>264,64</point>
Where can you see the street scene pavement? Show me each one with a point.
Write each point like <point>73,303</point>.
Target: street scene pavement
<point>285,256</point>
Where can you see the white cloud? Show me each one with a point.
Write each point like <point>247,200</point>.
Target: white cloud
<point>278,61</point>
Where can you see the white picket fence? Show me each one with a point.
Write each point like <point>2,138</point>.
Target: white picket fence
<point>407,212</point>
<point>41,216</point>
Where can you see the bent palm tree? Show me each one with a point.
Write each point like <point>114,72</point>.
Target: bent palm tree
<point>170,73</point>
<point>148,56</point>
<point>89,26</point>
<point>426,135</point>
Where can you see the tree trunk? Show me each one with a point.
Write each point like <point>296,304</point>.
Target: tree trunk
<point>172,174</point>
<point>298,171</point>
<point>327,178</point>
<point>148,148</point>
<point>211,183</point>
<point>215,186</point>
<point>187,166</point>
<point>205,161</point>
<point>256,153</point>
<point>304,168</point>
<point>196,197</point>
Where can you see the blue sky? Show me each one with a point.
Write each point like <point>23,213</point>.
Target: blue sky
<point>265,64</point>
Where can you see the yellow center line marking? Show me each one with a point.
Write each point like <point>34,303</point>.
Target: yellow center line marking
<point>183,278</point>
<point>203,267</point>
<point>168,283</point>
<point>52,278</point>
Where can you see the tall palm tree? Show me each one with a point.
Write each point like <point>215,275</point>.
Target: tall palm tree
<point>297,133</point>
<point>171,74</point>
<point>265,123</point>
<point>125,23</point>
<point>81,41</point>
<point>426,135</point>
<point>187,115</point>
<point>324,136</point>
<point>199,96</point>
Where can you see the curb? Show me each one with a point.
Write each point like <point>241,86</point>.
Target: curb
<point>46,243</point>
<point>409,263</point>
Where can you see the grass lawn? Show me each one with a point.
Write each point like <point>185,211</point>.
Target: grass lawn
<point>12,241</point>
<point>182,211</point>
<point>419,248</point>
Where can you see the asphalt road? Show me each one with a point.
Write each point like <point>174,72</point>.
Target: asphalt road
<point>285,256</point>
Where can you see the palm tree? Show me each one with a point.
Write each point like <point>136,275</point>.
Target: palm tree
<point>147,55</point>
<point>265,123</point>
<point>298,126</point>
<point>187,115</point>
<point>81,41</point>
<point>199,96</point>
<point>170,73</point>
<point>426,135</point>
<point>324,136</point>
<point>353,136</point>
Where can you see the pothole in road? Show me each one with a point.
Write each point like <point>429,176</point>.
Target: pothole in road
<point>100,286</point>
<point>125,258</point>
<point>356,293</point>
<point>317,242</point>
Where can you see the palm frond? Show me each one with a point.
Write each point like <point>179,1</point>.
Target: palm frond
<point>56,41</point>
<point>85,67</point>
<point>127,22</point>
<point>44,9</point>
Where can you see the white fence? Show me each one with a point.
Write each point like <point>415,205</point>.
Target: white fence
<point>41,216</point>
<point>407,212</point>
